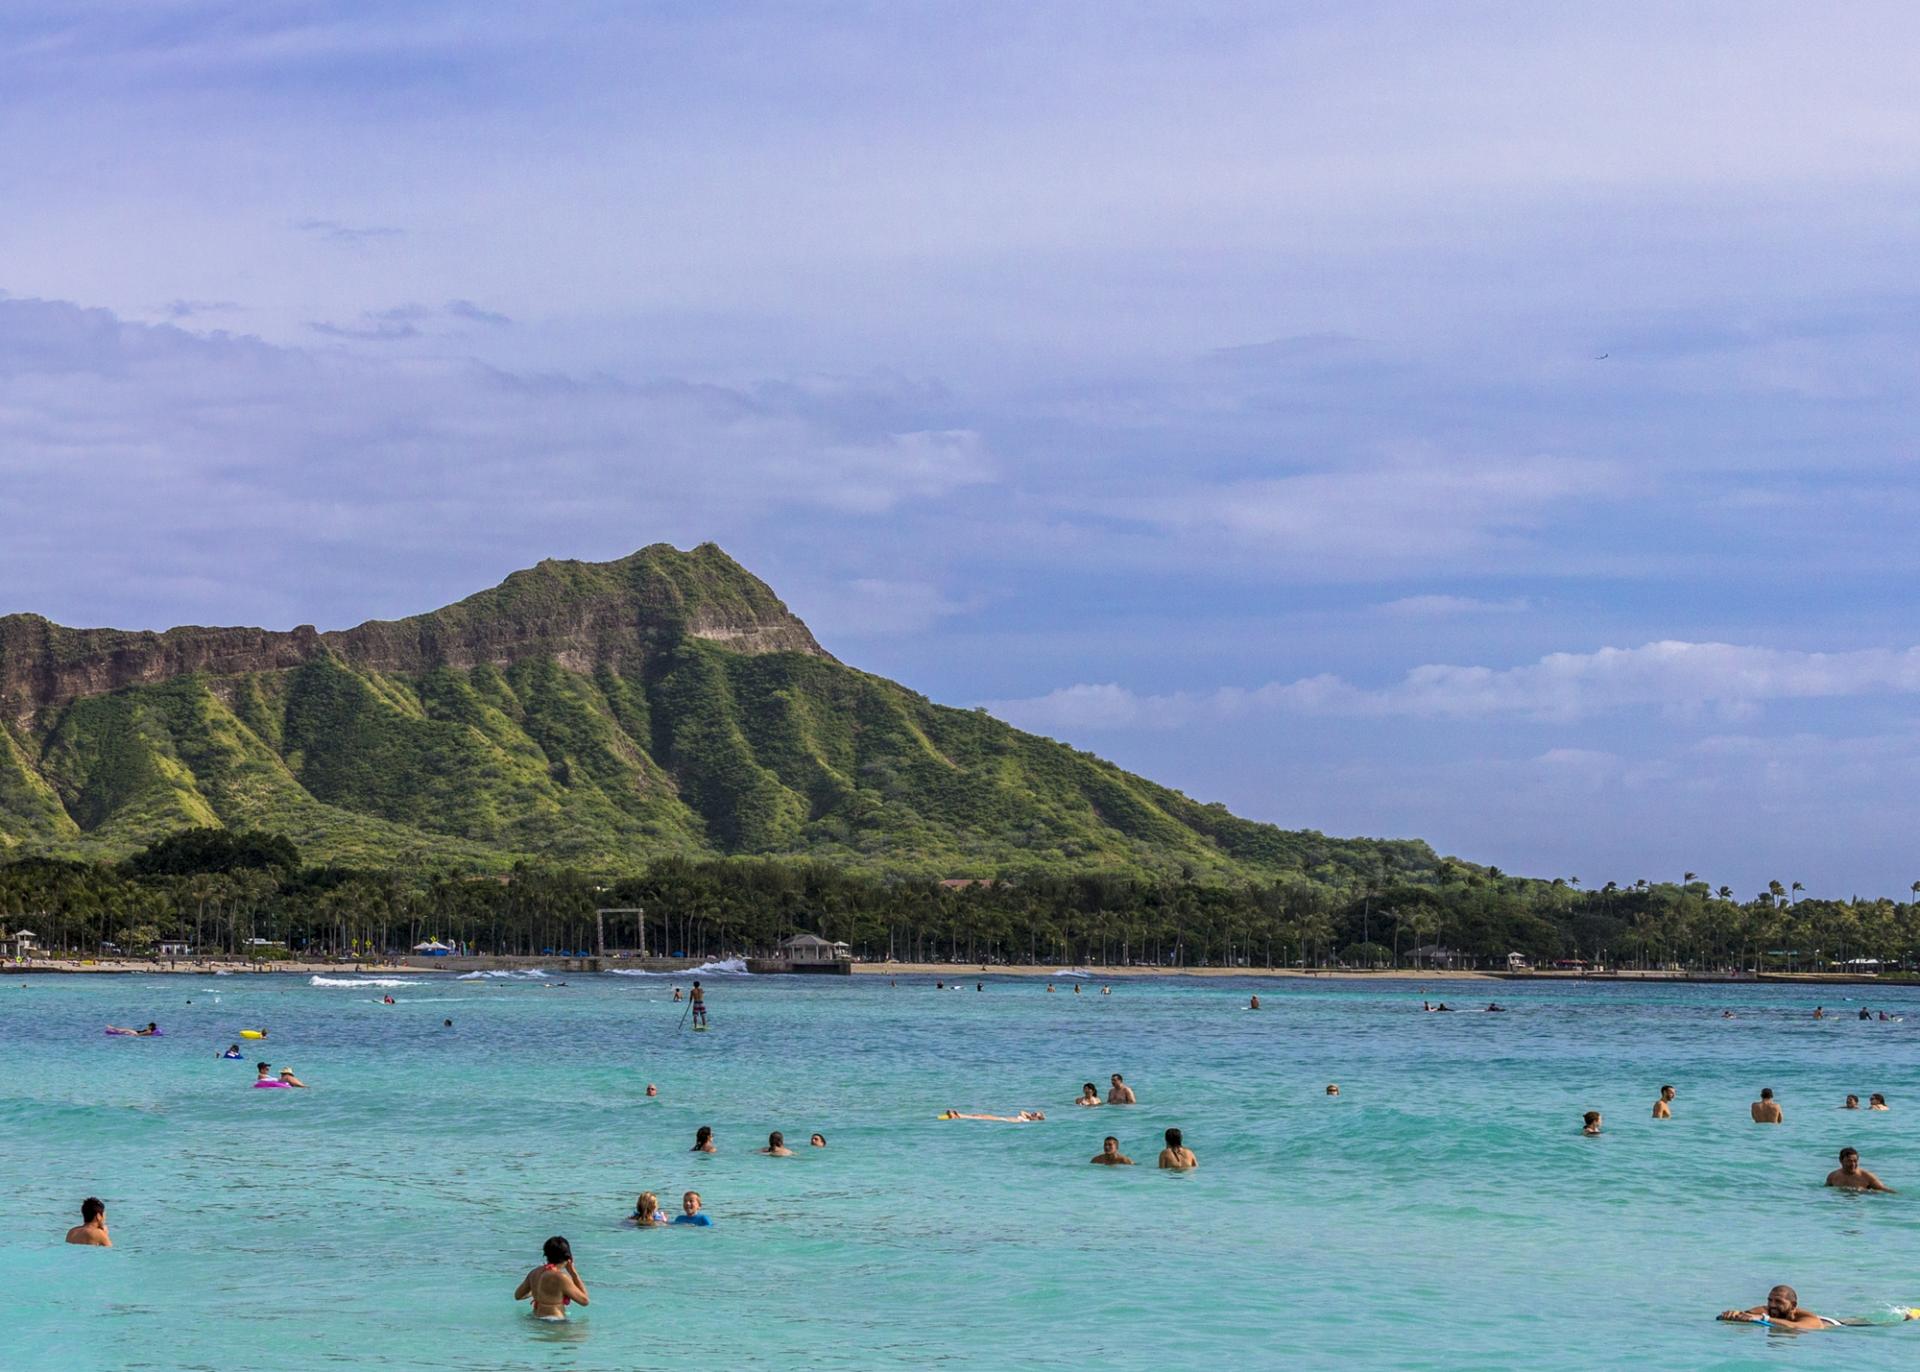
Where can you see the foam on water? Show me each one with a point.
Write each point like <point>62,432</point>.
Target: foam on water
<point>363,981</point>
<point>726,967</point>
<point>526,974</point>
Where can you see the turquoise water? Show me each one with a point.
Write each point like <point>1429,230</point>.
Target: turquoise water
<point>1443,1212</point>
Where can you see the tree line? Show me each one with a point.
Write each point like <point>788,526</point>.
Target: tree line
<point>228,893</point>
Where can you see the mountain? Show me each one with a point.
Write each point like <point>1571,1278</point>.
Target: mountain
<point>595,714</point>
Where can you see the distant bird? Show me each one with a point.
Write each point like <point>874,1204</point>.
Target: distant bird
<point>1603,357</point>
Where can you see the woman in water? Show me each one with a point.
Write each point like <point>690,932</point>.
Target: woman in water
<point>1089,1095</point>
<point>646,1212</point>
<point>555,1285</point>
<point>703,1140</point>
<point>817,1141</point>
<point>1876,1101</point>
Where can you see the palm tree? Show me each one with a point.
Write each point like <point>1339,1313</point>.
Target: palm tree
<point>1687,879</point>
<point>1798,887</point>
<point>1726,892</point>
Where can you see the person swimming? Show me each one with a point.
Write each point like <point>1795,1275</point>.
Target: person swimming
<point>287,1078</point>
<point>91,1232</point>
<point>691,1213</point>
<point>646,1212</point>
<point>554,1285</point>
<point>1253,1003</point>
<point>1493,1009</point>
<point>150,1031</point>
<point>1176,1156</point>
<point>703,1140</point>
<point>1663,1107</point>
<point>1089,1095</point>
<point>1110,1154</point>
<point>676,995</point>
<point>1782,1311</point>
<point>1766,1110</point>
<point>1076,988</point>
<point>1333,1088</point>
<point>817,1141</point>
<point>652,1090</point>
<point>1851,1176</point>
<point>1121,1094</point>
<point>1877,1102</point>
<point>1024,1117</point>
<point>776,1146</point>
<point>1852,1103</point>
<point>233,1051</point>
<point>1590,1124</point>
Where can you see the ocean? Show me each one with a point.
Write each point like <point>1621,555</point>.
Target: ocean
<point>1443,1211</point>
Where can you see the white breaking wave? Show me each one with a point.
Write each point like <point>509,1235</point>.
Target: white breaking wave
<point>1076,972</point>
<point>533,973</point>
<point>729,967</point>
<point>362,981</point>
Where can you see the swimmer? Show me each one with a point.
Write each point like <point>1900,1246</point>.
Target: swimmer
<point>386,1000</point>
<point>1121,1094</point>
<point>1851,1176</point>
<point>446,1024</point>
<point>676,995</point>
<point>1819,1012</point>
<point>1333,1088</point>
<point>1877,1102</point>
<point>1049,988</point>
<point>1076,988</point>
<point>1782,1311</point>
<point>1254,1003</point>
<point>776,1146</point>
<point>646,1212</point>
<point>1766,1110</point>
<point>1106,990</point>
<point>699,998</point>
<point>1176,1156</point>
<point>939,986</point>
<point>1663,1107</point>
<point>1853,1103</point>
<point>287,1078</point>
<point>233,1051</point>
<point>91,1232</point>
<point>652,1090</point>
<point>1590,1124</point>
<point>703,1140</point>
<point>690,1212</point>
<point>555,1285</point>
<point>1493,1009</point>
<point>979,986</point>
<point>145,1033</point>
<point>262,1071</point>
<point>1865,1013</point>
<point>1089,1095</point>
<point>1728,1014</point>
<point>1443,1008</point>
<point>1024,1117</point>
<point>817,1141</point>
<point>1110,1154</point>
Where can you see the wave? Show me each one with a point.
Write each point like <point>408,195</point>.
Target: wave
<point>726,967</point>
<point>1076,972</point>
<point>531,973</point>
<point>362,981</point>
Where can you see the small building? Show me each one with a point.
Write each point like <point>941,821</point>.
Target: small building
<point>1517,962</point>
<point>174,948</point>
<point>434,948</point>
<point>812,950</point>
<point>21,944</point>
<point>1437,955</point>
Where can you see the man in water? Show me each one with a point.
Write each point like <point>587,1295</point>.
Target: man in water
<point>1590,1124</point>
<point>1766,1110</point>
<point>777,1146</point>
<point>262,1071</point>
<point>690,1212</point>
<point>1782,1310</point>
<point>1176,1156</point>
<point>1254,1003</point>
<point>1110,1154</point>
<point>1121,1094</point>
<point>1852,1103</point>
<point>1851,1176</point>
<point>1663,1108</point>
<point>817,1141</point>
<point>1865,1013</point>
<point>233,1051</point>
<point>92,1229</point>
<point>699,1007</point>
<point>676,995</point>
<point>652,1090</point>
<point>555,1285</point>
<point>1333,1088</point>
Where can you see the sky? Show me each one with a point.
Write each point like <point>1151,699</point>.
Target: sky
<point>1493,424</point>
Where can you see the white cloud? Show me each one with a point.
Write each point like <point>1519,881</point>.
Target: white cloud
<point>1439,606</point>
<point>1728,680</point>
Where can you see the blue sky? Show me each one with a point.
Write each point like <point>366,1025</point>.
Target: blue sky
<point>1494,424</point>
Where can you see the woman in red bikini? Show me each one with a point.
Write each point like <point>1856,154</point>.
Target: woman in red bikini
<point>554,1285</point>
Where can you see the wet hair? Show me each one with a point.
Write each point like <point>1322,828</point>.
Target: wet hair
<point>703,1135</point>
<point>1110,1139</point>
<point>1591,1117</point>
<point>1852,1099</point>
<point>1786,1293</point>
<point>1089,1086</point>
<point>263,1067</point>
<point>821,1137</point>
<point>558,1250</point>
<point>92,1208</point>
<point>776,1139</point>
<point>1667,1087</point>
<point>1846,1153</point>
<point>1766,1093</point>
<point>1876,1096</point>
<point>1118,1077</point>
<point>647,1205</point>
<point>1173,1138</point>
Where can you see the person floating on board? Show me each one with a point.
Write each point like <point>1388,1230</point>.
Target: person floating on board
<point>699,1007</point>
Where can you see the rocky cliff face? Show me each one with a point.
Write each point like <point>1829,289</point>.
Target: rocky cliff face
<point>581,614</point>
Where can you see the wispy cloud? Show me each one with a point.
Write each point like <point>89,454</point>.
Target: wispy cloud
<point>347,235</point>
<point>1447,606</point>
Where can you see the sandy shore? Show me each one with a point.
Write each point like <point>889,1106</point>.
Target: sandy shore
<point>1054,969</point>
<point>195,967</point>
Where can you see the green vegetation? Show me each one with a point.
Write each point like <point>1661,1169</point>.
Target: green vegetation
<point>218,890</point>
<point>597,716</point>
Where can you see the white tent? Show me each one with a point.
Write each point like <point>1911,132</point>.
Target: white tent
<point>433,948</point>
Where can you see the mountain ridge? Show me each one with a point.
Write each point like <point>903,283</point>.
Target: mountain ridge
<point>595,714</point>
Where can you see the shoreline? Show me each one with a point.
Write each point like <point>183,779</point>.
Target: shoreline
<point>183,968</point>
<point>965,970</point>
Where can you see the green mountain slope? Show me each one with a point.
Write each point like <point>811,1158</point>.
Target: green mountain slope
<point>595,714</point>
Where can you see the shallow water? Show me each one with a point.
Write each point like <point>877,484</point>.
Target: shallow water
<point>1443,1212</point>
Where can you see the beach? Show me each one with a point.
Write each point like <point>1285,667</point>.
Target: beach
<point>1317,1232</point>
